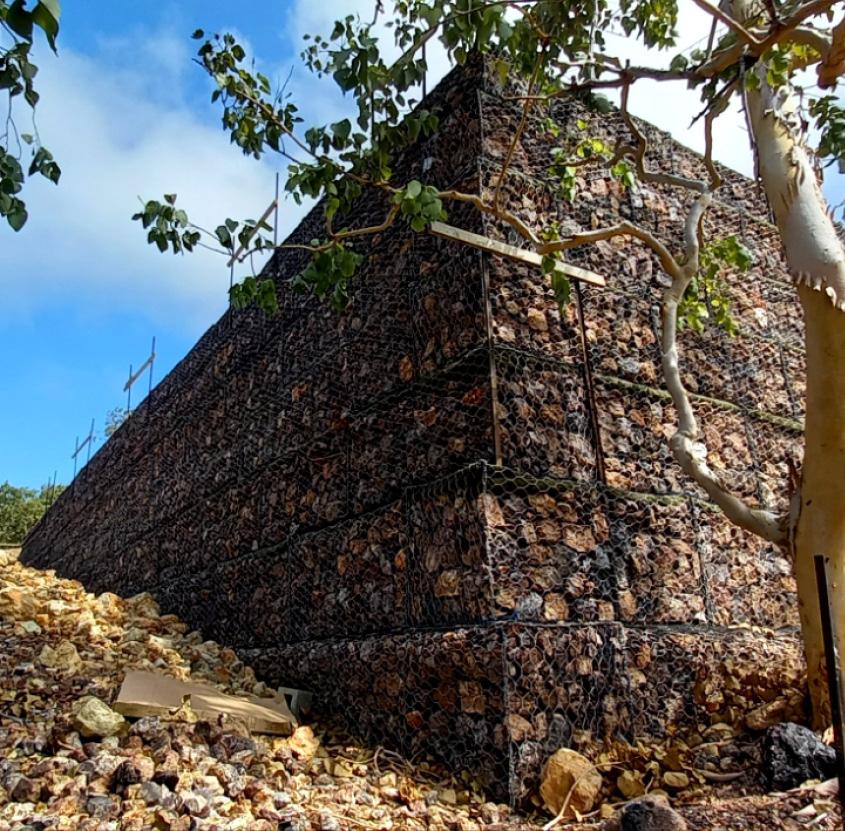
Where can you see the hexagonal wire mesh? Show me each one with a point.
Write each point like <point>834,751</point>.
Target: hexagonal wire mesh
<point>451,510</point>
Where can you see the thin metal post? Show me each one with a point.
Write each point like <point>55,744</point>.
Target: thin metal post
<point>231,283</point>
<point>90,442</point>
<point>834,673</point>
<point>152,361</point>
<point>75,453</point>
<point>129,392</point>
<point>276,215</point>
<point>51,488</point>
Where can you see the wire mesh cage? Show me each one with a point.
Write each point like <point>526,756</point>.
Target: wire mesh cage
<point>451,510</point>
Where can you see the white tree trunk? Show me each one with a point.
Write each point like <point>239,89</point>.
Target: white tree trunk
<point>816,260</point>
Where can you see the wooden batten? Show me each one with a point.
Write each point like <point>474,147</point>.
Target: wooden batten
<point>440,229</point>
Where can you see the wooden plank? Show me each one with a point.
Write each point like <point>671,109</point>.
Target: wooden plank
<point>151,694</point>
<point>440,229</point>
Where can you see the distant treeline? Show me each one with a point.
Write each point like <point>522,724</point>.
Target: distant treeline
<point>21,508</point>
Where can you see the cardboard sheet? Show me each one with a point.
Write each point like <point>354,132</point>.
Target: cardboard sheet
<point>150,694</point>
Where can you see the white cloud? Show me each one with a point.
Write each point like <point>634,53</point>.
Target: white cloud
<point>116,141</point>
<point>120,133</point>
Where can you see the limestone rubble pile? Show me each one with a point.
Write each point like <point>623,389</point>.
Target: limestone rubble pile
<point>69,762</point>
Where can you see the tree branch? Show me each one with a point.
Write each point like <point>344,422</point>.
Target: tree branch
<point>643,172</point>
<point>526,108</point>
<point>833,63</point>
<point>724,17</point>
<point>500,213</point>
<point>621,229</point>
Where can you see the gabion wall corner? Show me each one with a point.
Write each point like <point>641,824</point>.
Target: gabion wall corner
<point>451,510</point>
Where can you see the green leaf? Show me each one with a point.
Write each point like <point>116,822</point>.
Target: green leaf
<point>19,20</point>
<point>17,217</point>
<point>48,20</point>
<point>562,288</point>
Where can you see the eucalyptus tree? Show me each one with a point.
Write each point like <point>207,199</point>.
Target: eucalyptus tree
<point>767,54</point>
<point>18,26</point>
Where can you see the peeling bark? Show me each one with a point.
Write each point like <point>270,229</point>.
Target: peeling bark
<point>816,260</point>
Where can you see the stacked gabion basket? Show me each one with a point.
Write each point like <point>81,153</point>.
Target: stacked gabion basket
<point>451,510</point>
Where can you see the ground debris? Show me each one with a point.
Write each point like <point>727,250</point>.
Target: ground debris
<point>68,762</point>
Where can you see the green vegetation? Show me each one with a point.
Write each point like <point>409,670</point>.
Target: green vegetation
<point>21,508</point>
<point>18,25</point>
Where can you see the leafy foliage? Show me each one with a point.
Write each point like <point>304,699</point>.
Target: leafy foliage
<point>336,161</point>
<point>830,120</point>
<point>114,418</point>
<point>706,298</point>
<point>21,508</point>
<point>554,48</point>
<point>420,205</point>
<point>17,79</point>
<point>566,160</point>
<point>329,272</point>
<point>168,225</point>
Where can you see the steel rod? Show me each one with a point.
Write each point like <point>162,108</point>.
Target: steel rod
<point>834,673</point>
<point>276,215</point>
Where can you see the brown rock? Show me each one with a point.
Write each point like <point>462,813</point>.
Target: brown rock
<point>18,604</point>
<point>537,320</point>
<point>304,743</point>
<point>768,715</point>
<point>23,789</point>
<point>94,718</point>
<point>63,658</point>
<point>518,727</point>
<point>630,784</point>
<point>133,771</point>
<point>676,780</point>
<point>568,774</point>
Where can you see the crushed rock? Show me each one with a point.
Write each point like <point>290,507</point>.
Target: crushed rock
<point>64,651</point>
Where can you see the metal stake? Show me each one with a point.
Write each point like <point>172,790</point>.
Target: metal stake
<point>834,673</point>
<point>129,392</point>
<point>90,441</point>
<point>152,361</point>
<point>276,215</point>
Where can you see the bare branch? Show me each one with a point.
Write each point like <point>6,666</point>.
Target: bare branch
<point>526,108</point>
<point>370,230</point>
<point>643,172</point>
<point>724,17</point>
<point>788,26</point>
<point>833,64</point>
<point>500,213</point>
<point>622,229</point>
<point>715,178</point>
<point>690,453</point>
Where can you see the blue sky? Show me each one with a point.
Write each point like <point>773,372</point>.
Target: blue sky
<point>127,114</point>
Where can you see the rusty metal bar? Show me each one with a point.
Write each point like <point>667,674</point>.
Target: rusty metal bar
<point>834,672</point>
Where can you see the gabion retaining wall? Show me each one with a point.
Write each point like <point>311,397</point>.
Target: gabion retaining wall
<point>452,510</point>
